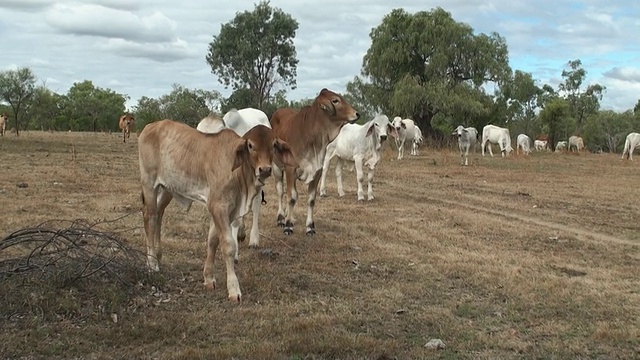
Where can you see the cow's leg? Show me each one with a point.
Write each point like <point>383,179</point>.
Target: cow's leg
<point>242,231</point>
<point>154,200</point>
<point>124,139</point>
<point>490,148</point>
<point>278,176</point>
<point>339,165</point>
<point>631,153</point>
<point>466,156</point>
<point>323,179</point>
<point>164,198</point>
<point>311,203</point>
<point>293,198</point>
<point>235,226</point>
<point>370,184</point>
<point>484,144</point>
<point>212,246</point>
<point>229,250</point>
<point>359,177</point>
<point>254,237</point>
<point>401,150</point>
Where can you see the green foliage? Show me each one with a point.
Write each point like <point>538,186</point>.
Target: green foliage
<point>182,104</point>
<point>91,108</point>
<point>46,110</point>
<point>16,89</point>
<point>556,119</point>
<point>608,129</point>
<point>426,64</point>
<point>255,51</point>
<point>585,103</point>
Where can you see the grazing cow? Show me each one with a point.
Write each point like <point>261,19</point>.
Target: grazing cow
<point>496,135</point>
<point>540,145</point>
<point>127,125</point>
<point>211,124</point>
<point>308,132</point>
<point>523,143</point>
<point>240,121</point>
<point>576,142</point>
<point>417,140</point>
<point>632,142</point>
<point>223,171</point>
<point>561,145</point>
<point>3,123</point>
<point>360,144</point>
<point>406,129</point>
<point>466,140</point>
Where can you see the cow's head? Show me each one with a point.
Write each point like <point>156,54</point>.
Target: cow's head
<point>128,120</point>
<point>382,128</point>
<point>336,107</point>
<point>399,124</point>
<point>260,148</point>
<point>459,131</point>
<point>4,117</point>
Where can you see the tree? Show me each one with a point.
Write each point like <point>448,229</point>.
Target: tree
<point>583,103</point>
<point>556,118</point>
<point>256,51</point>
<point>426,64</point>
<point>46,109</point>
<point>91,108</point>
<point>16,88</point>
<point>523,97</point>
<point>607,129</point>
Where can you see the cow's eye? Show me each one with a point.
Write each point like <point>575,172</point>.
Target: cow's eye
<point>335,101</point>
<point>250,145</point>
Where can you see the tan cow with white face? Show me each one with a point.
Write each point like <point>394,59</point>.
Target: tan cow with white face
<point>127,124</point>
<point>3,123</point>
<point>308,132</point>
<point>222,171</point>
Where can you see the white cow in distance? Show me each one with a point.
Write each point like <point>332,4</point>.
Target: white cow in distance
<point>632,142</point>
<point>561,145</point>
<point>417,140</point>
<point>496,135</point>
<point>576,142</point>
<point>540,145</point>
<point>466,140</point>
<point>406,129</point>
<point>523,143</point>
<point>360,144</point>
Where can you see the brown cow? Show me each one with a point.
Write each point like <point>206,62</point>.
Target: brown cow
<point>223,171</point>
<point>308,132</point>
<point>3,123</point>
<point>127,125</point>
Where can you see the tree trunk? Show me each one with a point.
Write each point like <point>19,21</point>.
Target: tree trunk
<point>432,136</point>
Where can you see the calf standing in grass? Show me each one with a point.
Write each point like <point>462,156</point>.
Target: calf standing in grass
<point>492,134</point>
<point>222,171</point>
<point>466,140</point>
<point>3,123</point>
<point>127,125</point>
<point>360,144</point>
<point>523,143</point>
<point>406,129</point>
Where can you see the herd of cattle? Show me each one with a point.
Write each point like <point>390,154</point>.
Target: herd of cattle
<point>224,163</point>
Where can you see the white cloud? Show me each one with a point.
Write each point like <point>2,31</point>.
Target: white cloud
<point>162,52</point>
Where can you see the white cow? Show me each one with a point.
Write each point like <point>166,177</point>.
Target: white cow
<point>540,145</point>
<point>360,144</point>
<point>632,142</point>
<point>523,143</point>
<point>466,140</point>
<point>240,121</point>
<point>561,145</point>
<point>406,129</point>
<point>576,142</point>
<point>417,140</point>
<point>496,135</point>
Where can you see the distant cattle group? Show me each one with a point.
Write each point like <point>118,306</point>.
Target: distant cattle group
<point>224,163</point>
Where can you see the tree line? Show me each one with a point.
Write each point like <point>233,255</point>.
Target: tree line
<point>425,65</point>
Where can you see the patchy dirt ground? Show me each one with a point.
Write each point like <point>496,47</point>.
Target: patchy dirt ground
<point>524,257</point>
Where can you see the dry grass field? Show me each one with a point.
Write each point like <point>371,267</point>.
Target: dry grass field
<point>516,258</point>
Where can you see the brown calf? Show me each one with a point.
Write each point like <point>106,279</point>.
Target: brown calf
<point>223,171</point>
<point>308,132</point>
<point>3,123</point>
<point>127,125</point>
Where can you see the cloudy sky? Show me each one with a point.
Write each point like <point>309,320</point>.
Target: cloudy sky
<point>142,47</point>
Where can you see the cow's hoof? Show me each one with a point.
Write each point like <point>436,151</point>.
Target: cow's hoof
<point>235,298</point>
<point>210,286</point>
<point>323,194</point>
<point>288,231</point>
<point>280,221</point>
<point>311,232</point>
<point>253,246</point>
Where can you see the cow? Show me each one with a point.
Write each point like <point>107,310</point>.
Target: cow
<point>496,135</point>
<point>466,140</point>
<point>211,124</point>
<point>523,143</point>
<point>127,125</point>
<point>360,144</point>
<point>540,145</point>
<point>576,142</point>
<point>308,132</point>
<point>417,140</point>
<point>222,171</point>
<point>240,121</point>
<point>632,143</point>
<point>406,129</point>
<point>3,123</point>
<point>561,145</point>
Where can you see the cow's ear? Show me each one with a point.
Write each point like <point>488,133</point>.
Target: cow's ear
<point>284,153</point>
<point>327,105</point>
<point>465,130</point>
<point>393,132</point>
<point>371,128</point>
<point>404,126</point>
<point>241,154</point>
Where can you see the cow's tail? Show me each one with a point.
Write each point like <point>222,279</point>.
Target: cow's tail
<point>627,148</point>
<point>142,197</point>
